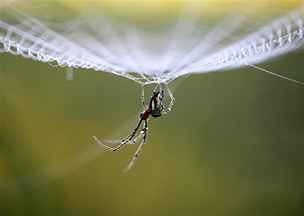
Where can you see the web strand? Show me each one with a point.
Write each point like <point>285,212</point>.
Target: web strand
<point>185,46</point>
<point>275,74</point>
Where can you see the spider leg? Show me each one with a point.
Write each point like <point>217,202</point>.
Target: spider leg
<point>172,99</point>
<point>143,96</point>
<point>135,139</point>
<point>156,87</point>
<point>107,144</point>
<point>140,147</point>
<point>132,135</point>
<point>99,142</point>
<point>129,138</point>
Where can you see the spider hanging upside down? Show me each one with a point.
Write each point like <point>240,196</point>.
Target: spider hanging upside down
<point>154,108</point>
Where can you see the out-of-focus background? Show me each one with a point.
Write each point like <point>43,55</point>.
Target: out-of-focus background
<point>233,145</point>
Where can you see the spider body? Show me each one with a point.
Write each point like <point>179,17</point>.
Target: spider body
<point>154,108</point>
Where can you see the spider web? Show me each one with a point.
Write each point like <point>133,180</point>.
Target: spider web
<point>150,55</point>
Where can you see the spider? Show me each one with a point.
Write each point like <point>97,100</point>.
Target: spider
<point>154,108</point>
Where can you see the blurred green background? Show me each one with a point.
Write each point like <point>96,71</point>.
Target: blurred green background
<point>233,145</point>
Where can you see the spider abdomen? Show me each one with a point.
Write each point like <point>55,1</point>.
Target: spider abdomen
<point>145,115</point>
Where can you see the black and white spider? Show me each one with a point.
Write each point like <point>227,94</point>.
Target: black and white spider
<point>154,108</point>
